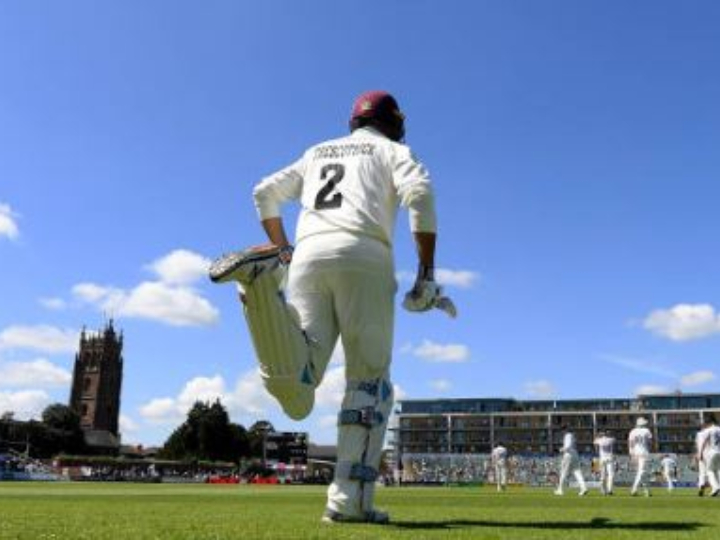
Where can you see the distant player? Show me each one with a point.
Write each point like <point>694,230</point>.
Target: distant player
<point>570,462</point>
<point>499,461</point>
<point>639,442</point>
<point>605,445</point>
<point>710,445</point>
<point>702,469</point>
<point>668,465</point>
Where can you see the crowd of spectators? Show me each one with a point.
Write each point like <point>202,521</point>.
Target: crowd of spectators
<point>528,470</point>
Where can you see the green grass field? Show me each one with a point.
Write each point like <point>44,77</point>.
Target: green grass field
<point>74,511</point>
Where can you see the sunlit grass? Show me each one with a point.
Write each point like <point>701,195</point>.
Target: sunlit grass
<point>119,511</point>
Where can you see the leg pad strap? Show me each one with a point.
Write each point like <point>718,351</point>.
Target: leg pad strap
<point>367,416</point>
<point>356,471</point>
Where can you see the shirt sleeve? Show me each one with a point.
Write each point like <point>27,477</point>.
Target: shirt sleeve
<point>415,190</point>
<point>274,190</point>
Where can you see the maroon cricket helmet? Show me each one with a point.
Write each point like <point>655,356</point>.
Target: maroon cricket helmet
<point>380,110</point>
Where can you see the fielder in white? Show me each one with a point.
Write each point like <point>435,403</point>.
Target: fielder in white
<point>639,442</point>
<point>340,284</point>
<point>570,461</point>
<point>605,445</point>
<point>710,451</point>
<point>702,469</point>
<point>499,461</point>
<point>668,464</point>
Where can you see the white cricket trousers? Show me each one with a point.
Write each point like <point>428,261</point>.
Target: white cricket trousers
<point>641,462</point>
<point>571,463</point>
<point>339,285</point>
<point>702,473</point>
<point>501,474</point>
<point>668,477</point>
<point>607,475</point>
<point>712,468</point>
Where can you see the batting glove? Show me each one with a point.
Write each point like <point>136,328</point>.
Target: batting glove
<point>426,295</point>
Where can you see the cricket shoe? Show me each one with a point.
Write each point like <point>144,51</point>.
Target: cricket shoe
<point>583,492</point>
<point>374,517</point>
<point>558,492</point>
<point>246,265</point>
<point>715,492</point>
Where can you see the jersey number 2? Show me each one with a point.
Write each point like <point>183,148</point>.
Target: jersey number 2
<point>332,173</point>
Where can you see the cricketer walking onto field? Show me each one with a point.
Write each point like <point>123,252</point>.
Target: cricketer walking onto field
<point>710,452</point>
<point>499,461</point>
<point>340,284</point>
<point>639,442</point>
<point>668,464</point>
<point>570,462</point>
<point>605,445</point>
<point>702,469</point>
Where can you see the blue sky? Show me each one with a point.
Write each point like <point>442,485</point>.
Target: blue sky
<point>573,147</point>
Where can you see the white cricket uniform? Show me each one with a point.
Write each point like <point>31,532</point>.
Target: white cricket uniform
<point>499,459</point>
<point>711,455</point>
<point>668,465</point>
<point>702,469</point>
<point>606,454</point>
<point>570,462</point>
<point>341,283</point>
<point>639,442</point>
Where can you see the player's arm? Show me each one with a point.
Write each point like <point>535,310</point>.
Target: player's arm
<point>415,192</point>
<point>269,195</point>
<point>425,245</point>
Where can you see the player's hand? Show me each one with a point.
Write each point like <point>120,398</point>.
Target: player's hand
<point>426,295</point>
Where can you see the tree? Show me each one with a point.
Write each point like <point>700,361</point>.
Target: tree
<point>256,437</point>
<point>207,434</point>
<point>61,433</point>
<point>62,417</point>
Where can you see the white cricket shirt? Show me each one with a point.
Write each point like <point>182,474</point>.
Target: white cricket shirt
<point>354,184</point>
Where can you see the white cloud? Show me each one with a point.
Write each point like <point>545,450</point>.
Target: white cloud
<point>43,338</point>
<point>154,300</point>
<point>161,411</point>
<point>26,404</point>
<point>178,306</point>
<point>462,279</point>
<point>684,322</point>
<point>248,399</point>
<point>639,365</point>
<point>55,304</point>
<point>332,389</point>
<point>93,293</point>
<point>167,410</point>
<point>8,225</point>
<point>207,389</point>
<point>436,352</point>
<point>440,385</point>
<point>399,393</point>
<point>35,374</point>
<point>328,422</point>
<point>181,267</point>
<point>540,389</point>
<point>697,378</point>
<point>170,300</point>
<point>651,389</point>
<point>128,425</point>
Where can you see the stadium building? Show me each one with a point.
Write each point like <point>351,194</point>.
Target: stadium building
<point>475,426</point>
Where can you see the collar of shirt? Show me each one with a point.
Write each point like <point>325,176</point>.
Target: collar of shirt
<point>367,130</point>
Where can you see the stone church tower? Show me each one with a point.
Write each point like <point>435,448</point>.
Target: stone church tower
<point>97,379</point>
